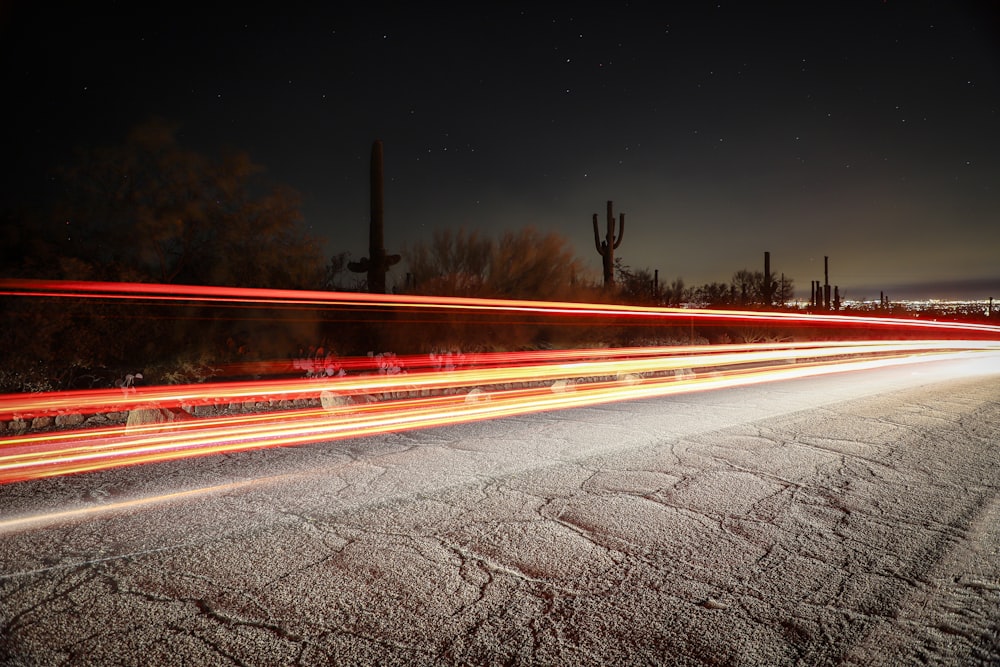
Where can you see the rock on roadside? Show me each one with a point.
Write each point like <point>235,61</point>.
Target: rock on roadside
<point>154,414</point>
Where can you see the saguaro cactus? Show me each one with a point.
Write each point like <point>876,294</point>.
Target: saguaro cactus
<point>378,262</point>
<point>607,247</point>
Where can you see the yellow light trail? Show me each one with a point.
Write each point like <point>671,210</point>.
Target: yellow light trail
<point>48,454</point>
<point>510,383</point>
<point>503,368</point>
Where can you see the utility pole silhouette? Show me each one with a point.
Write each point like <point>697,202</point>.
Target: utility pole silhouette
<point>768,286</point>
<point>826,283</point>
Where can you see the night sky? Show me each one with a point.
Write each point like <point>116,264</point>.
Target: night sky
<point>867,131</point>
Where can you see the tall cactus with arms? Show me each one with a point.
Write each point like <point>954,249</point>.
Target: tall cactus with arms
<point>378,262</point>
<point>607,247</point>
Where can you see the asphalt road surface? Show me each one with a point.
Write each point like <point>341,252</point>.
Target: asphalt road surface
<point>847,519</point>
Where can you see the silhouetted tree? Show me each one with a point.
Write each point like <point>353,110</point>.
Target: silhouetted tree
<point>711,295</point>
<point>529,264</point>
<point>453,263</point>
<point>747,286</point>
<point>336,272</point>
<point>29,244</point>
<point>152,210</point>
<point>522,264</point>
<point>785,291</point>
<point>635,286</point>
<point>675,294</point>
<point>149,210</point>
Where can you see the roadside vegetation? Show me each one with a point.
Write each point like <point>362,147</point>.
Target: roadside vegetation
<point>150,210</point>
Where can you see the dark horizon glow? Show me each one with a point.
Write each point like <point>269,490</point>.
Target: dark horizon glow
<point>866,131</point>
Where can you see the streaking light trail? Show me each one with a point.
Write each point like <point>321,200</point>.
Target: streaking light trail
<point>486,386</point>
<point>495,369</point>
<point>48,454</point>
<point>301,299</point>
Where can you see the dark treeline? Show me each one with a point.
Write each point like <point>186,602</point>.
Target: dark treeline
<point>746,290</point>
<point>148,210</point>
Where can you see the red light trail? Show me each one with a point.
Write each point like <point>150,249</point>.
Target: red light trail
<point>506,383</point>
<point>304,298</point>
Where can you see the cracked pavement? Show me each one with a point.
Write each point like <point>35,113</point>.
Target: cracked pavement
<point>847,519</point>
